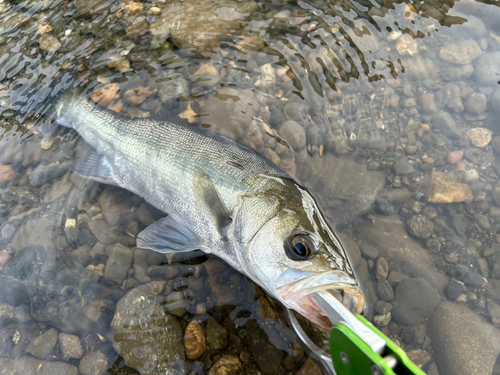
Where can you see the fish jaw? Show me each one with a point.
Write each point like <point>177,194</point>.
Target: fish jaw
<point>297,294</point>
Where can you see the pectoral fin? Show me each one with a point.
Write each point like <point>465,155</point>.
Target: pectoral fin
<point>207,195</point>
<point>97,167</point>
<point>167,235</point>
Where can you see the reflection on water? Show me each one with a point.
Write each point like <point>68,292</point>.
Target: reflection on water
<point>391,113</point>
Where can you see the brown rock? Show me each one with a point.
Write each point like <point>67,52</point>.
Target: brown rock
<point>94,363</point>
<point>139,95</point>
<point>480,137</point>
<point>5,258</point>
<point>253,43</point>
<point>427,104</point>
<point>382,269</point>
<point>455,156</point>
<point>49,43</point>
<point>443,188</point>
<point>309,368</point>
<point>227,365</point>
<point>44,28</point>
<point>419,357</point>
<point>6,173</point>
<point>264,309</point>
<point>194,340</point>
<point>137,27</point>
<point>214,266</point>
<point>121,65</point>
<point>130,9</point>
<point>106,95</point>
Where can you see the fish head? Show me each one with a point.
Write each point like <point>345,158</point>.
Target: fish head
<point>292,252</point>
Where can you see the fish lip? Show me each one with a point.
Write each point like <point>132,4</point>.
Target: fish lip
<point>297,295</point>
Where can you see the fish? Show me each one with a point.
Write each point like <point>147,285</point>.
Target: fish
<point>221,197</point>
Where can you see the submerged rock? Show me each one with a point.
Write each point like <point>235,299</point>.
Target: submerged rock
<point>415,301</point>
<point>464,343</point>
<point>32,366</point>
<point>461,53</point>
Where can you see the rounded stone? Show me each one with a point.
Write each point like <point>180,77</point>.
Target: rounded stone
<point>94,363</point>
<point>415,301</point>
<point>294,134</point>
<point>194,340</point>
<point>227,365</point>
<point>475,103</point>
<point>420,226</point>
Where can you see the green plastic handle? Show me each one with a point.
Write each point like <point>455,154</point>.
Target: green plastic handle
<point>352,356</point>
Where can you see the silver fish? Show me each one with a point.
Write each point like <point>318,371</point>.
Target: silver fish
<point>220,197</point>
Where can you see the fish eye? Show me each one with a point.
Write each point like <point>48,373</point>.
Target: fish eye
<point>300,247</point>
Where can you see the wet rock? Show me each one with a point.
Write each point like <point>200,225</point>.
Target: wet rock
<point>137,28</point>
<point>206,76</point>
<point>369,252</point>
<point>382,269</point>
<point>70,346</point>
<point>443,188</point>
<point>382,307</point>
<point>148,338</point>
<point>402,167</point>
<point>347,189</point>
<point>43,345</point>
<point>94,363</point>
<point>495,143</point>
<point>266,355</point>
<point>101,231</point>
<point>452,98</point>
<point>444,123</point>
<point>117,206</point>
<point>294,134</point>
<point>389,236</point>
<point>106,95</point>
<point>5,258</point>
<point>486,68</point>
<point>475,103</point>
<point>471,175</point>
<point>495,102</point>
<point>463,342</point>
<point>460,53</point>
<point>480,137</point>
<point>194,340</point>
<point>420,226</point>
<point>419,357</point>
<point>49,43</point>
<point>32,366</point>
<point>415,301</point>
<point>455,156</point>
<point>427,103</point>
<point>309,368</point>
<point>119,262</point>
<point>494,312</point>
<point>216,335</point>
<point>457,72</point>
<point>6,173</point>
<point>382,320</point>
<point>46,173</point>
<point>139,95</point>
<point>227,365</point>
<point>385,291</point>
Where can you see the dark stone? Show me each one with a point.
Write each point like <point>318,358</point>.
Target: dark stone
<point>468,276</point>
<point>44,174</point>
<point>369,252</point>
<point>453,290</point>
<point>420,226</point>
<point>444,122</point>
<point>385,291</point>
<point>382,307</point>
<point>402,167</point>
<point>415,301</point>
<point>267,357</point>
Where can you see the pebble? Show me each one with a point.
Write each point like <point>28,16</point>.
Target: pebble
<point>94,363</point>
<point>494,312</point>
<point>415,301</point>
<point>5,257</point>
<point>443,188</point>
<point>106,95</point>
<point>487,69</point>
<point>402,167</point>
<point>43,345</point>
<point>480,137</point>
<point>194,340</point>
<point>382,320</point>
<point>119,262</point>
<point>419,357</point>
<point>460,53</point>
<point>70,346</point>
<point>369,252</point>
<point>216,335</point>
<point>44,28</point>
<point>382,269</point>
<point>455,156</point>
<point>139,95</point>
<point>475,103</point>
<point>309,368</point>
<point>6,173</point>
<point>385,291</point>
<point>49,43</point>
<point>420,226</point>
<point>294,134</point>
<point>227,365</point>
<point>471,175</point>
<point>444,123</point>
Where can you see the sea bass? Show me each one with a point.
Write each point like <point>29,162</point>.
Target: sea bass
<point>222,198</point>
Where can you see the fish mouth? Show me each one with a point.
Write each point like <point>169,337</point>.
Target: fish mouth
<point>298,295</point>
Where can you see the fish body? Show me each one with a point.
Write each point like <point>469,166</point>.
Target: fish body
<point>220,197</point>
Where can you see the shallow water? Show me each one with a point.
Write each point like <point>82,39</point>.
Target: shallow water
<point>391,111</point>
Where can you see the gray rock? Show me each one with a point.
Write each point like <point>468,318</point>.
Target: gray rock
<point>457,72</point>
<point>494,312</point>
<point>142,332</point>
<point>454,290</point>
<point>415,301</point>
<point>389,236</point>
<point>70,346</point>
<point>487,69</point>
<point>117,207</point>
<point>46,173</point>
<point>464,343</point>
<point>11,316</point>
<point>444,123</point>
<point>420,226</point>
<point>346,189</point>
<point>495,143</point>
<point>483,221</point>
<point>382,320</point>
<point>266,355</point>
<point>496,192</point>
<point>43,345</point>
<point>33,232</point>
<point>495,102</point>
<point>369,252</point>
<point>475,103</point>
<point>101,231</point>
<point>452,98</point>
<point>94,363</point>
<point>294,134</point>
<point>216,335</point>
<point>402,167</point>
<point>385,291</point>
<point>32,366</point>
<point>119,262</point>
<point>460,53</point>
<point>382,307</point>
